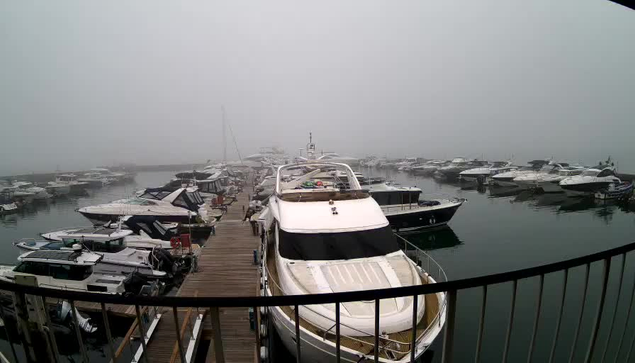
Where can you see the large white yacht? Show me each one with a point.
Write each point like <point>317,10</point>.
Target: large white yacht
<point>323,238</point>
<point>181,205</point>
<point>590,181</point>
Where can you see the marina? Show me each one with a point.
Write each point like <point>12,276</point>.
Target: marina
<point>226,264</point>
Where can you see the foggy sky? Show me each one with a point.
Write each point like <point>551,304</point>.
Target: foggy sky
<point>85,84</point>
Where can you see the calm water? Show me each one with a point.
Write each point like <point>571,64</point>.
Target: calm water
<point>488,234</point>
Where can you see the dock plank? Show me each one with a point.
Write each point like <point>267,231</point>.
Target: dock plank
<point>225,268</point>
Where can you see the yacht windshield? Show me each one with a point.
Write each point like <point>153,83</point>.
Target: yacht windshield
<point>138,201</point>
<point>337,246</point>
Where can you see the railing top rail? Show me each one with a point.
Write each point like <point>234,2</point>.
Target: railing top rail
<point>251,301</point>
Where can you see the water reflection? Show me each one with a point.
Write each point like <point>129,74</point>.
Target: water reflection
<point>443,237</point>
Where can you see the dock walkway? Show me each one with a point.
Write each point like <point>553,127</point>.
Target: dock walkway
<point>225,268</point>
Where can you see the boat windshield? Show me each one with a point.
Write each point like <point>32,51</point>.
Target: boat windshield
<point>138,201</point>
<point>337,246</point>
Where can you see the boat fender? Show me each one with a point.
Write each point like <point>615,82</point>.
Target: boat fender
<point>263,330</point>
<point>263,353</point>
<point>263,311</point>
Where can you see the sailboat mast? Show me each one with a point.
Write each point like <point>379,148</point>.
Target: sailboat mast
<point>224,137</point>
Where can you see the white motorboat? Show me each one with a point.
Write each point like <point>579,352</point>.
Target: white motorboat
<point>530,180</point>
<point>506,179</point>
<point>590,181</point>
<point>76,186</point>
<point>550,183</point>
<point>7,205</point>
<point>482,173</point>
<point>118,258</point>
<point>28,187</point>
<point>58,189</point>
<point>137,231</point>
<point>429,167</point>
<point>182,205</point>
<point>456,166</point>
<point>324,239</point>
<point>111,177</point>
<point>95,179</point>
<point>65,270</point>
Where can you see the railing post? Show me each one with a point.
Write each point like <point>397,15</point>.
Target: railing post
<point>142,330</point>
<point>178,335</point>
<point>6,330</point>
<point>481,326</point>
<point>104,315</point>
<point>555,336</point>
<point>50,334</point>
<point>257,332</point>
<point>577,329</point>
<point>598,315</point>
<point>78,333</point>
<point>219,354</point>
<point>376,331</point>
<point>337,332</point>
<point>413,345</point>
<point>617,304</point>
<point>628,316</point>
<point>448,339</point>
<point>536,318</point>
<point>297,335</point>
<point>511,321</point>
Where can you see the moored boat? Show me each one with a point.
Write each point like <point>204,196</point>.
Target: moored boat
<point>327,238</point>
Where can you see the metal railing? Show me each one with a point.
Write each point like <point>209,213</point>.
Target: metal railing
<point>586,338</point>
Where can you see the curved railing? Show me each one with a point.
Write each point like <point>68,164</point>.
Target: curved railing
<point>451,288</point>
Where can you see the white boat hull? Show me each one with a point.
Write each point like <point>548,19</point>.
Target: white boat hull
<point>550,187</point>
<point>315,348</point>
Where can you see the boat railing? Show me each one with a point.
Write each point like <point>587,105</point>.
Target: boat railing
<point>421,259</point>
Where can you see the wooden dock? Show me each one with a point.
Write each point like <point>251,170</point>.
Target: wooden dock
<point>225,268</point>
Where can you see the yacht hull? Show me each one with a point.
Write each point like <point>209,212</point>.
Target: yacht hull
<point>316,349</point>
<point>403,219</point>
<point>503,182</point>
<point>584,189</point>
<point>550,187</point>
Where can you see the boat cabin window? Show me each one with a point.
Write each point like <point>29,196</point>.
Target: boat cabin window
<point>137,201</point>
<point>337,246</point>
<point>113,246</point>
<point>606,172</point>
<point>396,197</point>
<point>590,173</point>
<point>57,271</point>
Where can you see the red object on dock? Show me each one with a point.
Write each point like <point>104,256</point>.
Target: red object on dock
<point>185,240</point>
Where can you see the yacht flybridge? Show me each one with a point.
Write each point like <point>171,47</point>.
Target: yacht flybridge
<point>325,237</point>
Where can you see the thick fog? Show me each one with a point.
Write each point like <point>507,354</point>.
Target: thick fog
<point>85,84</point>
